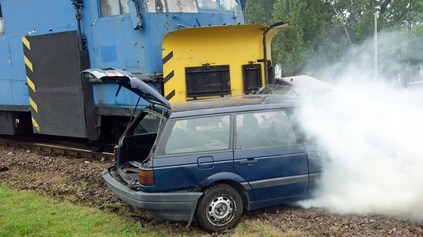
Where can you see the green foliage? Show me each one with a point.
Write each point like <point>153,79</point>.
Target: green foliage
<point>308,24</point>
<point>321,31</point>
<point>257,11</point>
<point>418,30</point>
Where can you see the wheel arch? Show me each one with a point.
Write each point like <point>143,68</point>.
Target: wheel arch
<point>232,180</point>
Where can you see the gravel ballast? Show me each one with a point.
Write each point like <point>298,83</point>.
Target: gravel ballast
<point>79,181</point>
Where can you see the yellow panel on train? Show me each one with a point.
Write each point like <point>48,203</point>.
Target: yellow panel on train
<point>206,62</point>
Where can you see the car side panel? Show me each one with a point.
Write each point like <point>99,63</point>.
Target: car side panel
<point>274,173</point>
<point>188,171</point>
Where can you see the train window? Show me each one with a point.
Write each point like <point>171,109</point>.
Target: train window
<point>171,6</point>
<point>251,75</point>
<point>207,80</point>
<point>209,4</point>
<point>113,7</point>
<point>1,22</point>
<point>230,5</point>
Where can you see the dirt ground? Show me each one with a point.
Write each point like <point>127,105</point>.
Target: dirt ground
<point>79,181</point>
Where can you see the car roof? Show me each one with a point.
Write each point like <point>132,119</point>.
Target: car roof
<point>231,104</point>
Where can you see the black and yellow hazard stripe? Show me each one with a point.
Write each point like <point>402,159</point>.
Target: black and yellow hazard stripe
<point>169,93</point>
<point>230,45</point>
<point>29,82</point>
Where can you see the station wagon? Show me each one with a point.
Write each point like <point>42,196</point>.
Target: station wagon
<point>211,160</point>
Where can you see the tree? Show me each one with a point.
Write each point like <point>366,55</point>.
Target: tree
<point>309,27</point>
<point>258,11</point>
<point>321,31</point>
<point>394,17</point>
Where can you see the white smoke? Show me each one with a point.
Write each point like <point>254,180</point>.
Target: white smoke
<point>373,133</point>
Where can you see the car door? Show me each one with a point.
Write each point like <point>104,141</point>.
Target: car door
<point>269,158</point>
<point>191,150</point>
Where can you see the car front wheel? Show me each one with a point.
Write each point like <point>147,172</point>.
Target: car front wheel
<point>219,209</point>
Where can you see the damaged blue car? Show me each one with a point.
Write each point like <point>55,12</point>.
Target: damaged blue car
<point>211,160</point>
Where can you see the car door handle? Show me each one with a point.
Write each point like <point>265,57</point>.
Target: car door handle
<point>248,162</point>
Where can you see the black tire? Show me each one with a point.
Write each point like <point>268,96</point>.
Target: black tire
<point>220,208</point>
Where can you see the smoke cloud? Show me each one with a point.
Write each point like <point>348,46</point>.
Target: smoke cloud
<point>372,131</point>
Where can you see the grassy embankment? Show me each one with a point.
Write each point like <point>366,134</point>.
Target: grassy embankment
<point>26,213</point>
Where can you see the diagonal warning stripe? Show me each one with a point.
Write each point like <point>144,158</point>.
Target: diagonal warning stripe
<point>28,63</point>
<point>170,95</point>
<point>167,58</point>
<point>35,124</point>
<point>30,84</point>
<point>25,41</point>
<point>33,104</point>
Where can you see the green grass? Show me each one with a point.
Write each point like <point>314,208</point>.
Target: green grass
<point>25,213</point>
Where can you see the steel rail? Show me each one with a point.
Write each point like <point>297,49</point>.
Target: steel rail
<point>57,149</point>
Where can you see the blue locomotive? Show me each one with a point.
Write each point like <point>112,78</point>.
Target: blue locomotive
<point>173,45</point>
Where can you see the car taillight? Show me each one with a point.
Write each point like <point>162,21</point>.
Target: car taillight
<point>146,177</point>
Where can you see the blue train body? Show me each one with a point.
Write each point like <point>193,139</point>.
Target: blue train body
<point>44,44</point>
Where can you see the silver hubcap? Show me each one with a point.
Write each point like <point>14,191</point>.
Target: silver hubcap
<point>221,210</point>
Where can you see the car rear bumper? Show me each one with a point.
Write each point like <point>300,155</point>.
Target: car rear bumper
<point>175,206</point>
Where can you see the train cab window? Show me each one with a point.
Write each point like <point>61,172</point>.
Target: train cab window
<point>1,22</point>
<point>207,4</point>
<point>113,7</point>
<point>230,5</point>
<point>171,6</point>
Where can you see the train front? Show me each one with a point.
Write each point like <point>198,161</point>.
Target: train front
<point>129,35</point>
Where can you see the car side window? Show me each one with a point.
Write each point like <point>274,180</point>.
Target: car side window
<point>263,129</point>
<point>198,135</point>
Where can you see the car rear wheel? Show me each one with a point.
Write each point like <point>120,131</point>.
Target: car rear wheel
<point>220,208</point>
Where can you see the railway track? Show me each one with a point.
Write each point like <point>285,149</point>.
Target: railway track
<point>75,150</point>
